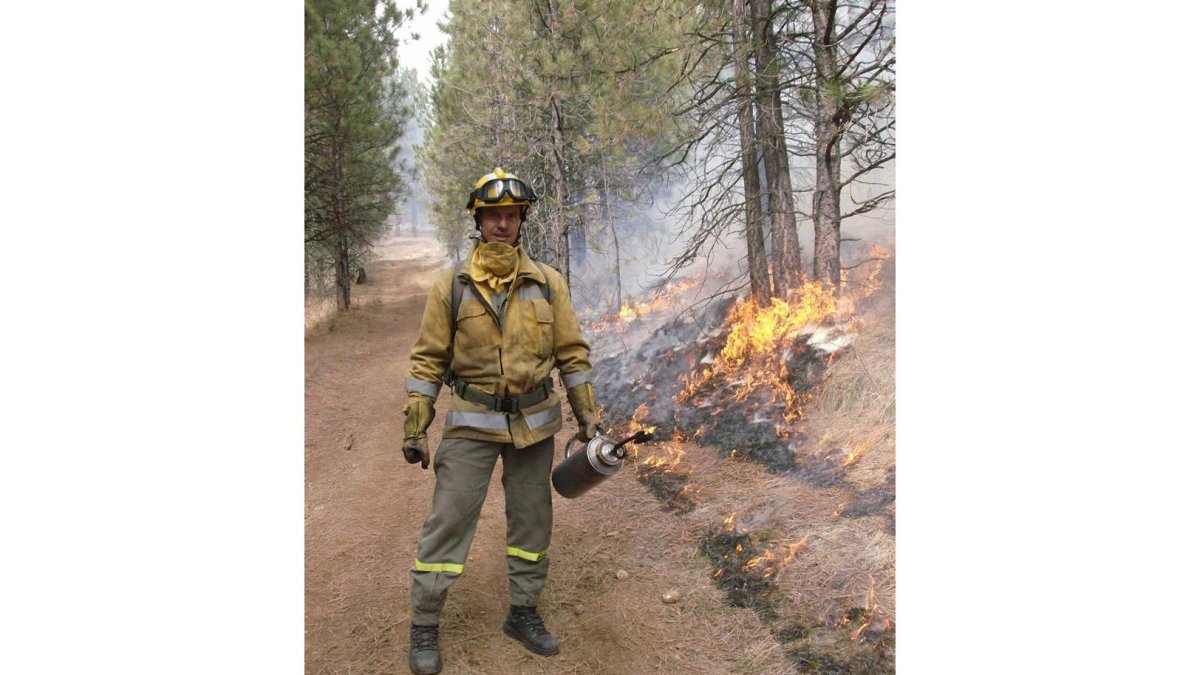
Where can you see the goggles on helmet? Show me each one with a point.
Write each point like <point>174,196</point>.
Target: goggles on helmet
<point>494,191</point>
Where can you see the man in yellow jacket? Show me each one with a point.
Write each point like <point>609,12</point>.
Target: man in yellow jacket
<point>493,329</point>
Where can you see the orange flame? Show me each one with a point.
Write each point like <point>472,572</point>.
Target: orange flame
<point>854,455</point>
<point>871,617</point>
<point>664,298</point>
<point>862,281</point>
<point>769,564</point>
<point>761,339</point>
<point>637,422</point>
<point>640,414</point>
<point>660,461</point>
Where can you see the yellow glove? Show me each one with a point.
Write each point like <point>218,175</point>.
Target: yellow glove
<point>418,415</point>
<point>583,404</point>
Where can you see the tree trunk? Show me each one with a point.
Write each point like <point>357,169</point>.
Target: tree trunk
<point>756,255</point>
<point>828,125</point>
<point>558,223</point>
<point>579,240</point>
<point>612,226</point>
<point>558,238</point>
<point>785,246</point>
<point>343,271</point>
<point>564,255</point>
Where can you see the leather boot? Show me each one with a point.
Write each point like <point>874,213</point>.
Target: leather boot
<point>524,625</point>
<point>424,656</point>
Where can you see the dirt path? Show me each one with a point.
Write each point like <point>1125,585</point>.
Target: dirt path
<point>364,507</point>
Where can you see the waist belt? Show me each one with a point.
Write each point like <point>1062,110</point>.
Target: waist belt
<point>511,405</point>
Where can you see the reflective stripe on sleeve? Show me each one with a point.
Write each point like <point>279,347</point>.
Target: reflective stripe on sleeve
<point>477,420</point>
<point>571,379</point>
<point>541,419</point>
<point>525,555</point>
<point>451,568</point>
<point>416,386</point>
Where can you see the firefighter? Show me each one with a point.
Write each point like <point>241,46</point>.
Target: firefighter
<point>492,331</point>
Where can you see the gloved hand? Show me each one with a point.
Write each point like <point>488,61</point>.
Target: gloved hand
<point>418,415</point>
<point>583,404</point>
<point>416,449</point>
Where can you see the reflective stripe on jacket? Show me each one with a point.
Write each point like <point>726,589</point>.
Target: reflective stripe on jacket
<point>537,336</point>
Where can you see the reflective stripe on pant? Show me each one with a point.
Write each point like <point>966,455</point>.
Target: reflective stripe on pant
<point>463,468</point>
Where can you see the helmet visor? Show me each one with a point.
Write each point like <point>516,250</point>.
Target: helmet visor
<point>494,190</point>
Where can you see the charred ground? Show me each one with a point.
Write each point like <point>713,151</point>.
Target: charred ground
<point>764,549</point>
<point>672,519</point>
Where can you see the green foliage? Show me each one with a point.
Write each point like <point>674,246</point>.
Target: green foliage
<point>355,111</point>
<point>567,94</point>
<point>599,104</point>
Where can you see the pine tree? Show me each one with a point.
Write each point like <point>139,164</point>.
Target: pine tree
<point>354,116</point>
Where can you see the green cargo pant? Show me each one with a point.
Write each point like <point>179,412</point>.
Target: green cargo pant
<point>463,468</point>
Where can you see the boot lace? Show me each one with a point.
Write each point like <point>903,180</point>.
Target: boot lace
<point>424,638</point>
<point>528,617</point>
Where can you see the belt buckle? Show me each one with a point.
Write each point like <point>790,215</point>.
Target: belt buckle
<point>507,405</point>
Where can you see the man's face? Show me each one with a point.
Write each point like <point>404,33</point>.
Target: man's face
<point>500,224</point>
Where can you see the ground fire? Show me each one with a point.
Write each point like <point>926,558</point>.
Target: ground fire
<point>746,568</point>
<point>669,485</point>
<point>734,374</point>
<point>739,377</point>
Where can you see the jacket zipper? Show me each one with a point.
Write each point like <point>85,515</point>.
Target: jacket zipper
<point>500,351</point>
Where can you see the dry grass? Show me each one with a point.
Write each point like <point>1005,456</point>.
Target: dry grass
<point>833,605</point>
<point>845,567</point>
<point>318,312</point>
<point>856,405</point>
<point>700,633</point>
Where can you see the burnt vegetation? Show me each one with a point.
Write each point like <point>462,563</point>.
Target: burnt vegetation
<point>730,552</point>
<point>670,487</point>
<point>684,379</point>
<point>753,427</point>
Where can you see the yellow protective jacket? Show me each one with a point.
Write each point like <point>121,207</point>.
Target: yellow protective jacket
<point>537,335</point>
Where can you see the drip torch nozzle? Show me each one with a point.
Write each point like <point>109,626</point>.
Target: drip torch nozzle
<point>639,437</point>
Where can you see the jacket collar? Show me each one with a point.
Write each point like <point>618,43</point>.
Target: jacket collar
<point>526,268</point>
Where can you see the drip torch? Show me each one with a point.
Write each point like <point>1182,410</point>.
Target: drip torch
<point>586,468</point>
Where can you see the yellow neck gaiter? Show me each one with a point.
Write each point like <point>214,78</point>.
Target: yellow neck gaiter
<point>494,265</point>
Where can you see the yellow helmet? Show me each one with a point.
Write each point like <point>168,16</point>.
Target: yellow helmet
<point>500,188</point>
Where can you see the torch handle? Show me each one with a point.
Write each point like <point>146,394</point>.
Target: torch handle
<point>639,437</point>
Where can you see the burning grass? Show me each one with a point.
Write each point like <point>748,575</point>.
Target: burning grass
<point>759,345</point>
<point>742,376</point>
<point>746,567</point>
<point>856,408</point>
<point>818,585</point>
<point>764,345</point>
<point>654,305</point>
<point>812,550</point>
<point>821,634</point>
<point>669,486</point>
